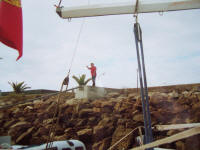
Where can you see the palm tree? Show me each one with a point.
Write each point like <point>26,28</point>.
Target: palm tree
<point>19,87</point>
<point>81,80</point>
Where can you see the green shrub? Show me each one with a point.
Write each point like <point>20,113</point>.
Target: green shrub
<point>19,87</point>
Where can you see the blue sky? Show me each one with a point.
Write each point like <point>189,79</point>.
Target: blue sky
<point>171,48</point>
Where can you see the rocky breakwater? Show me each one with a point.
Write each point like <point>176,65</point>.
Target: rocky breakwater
<point>102,122</point>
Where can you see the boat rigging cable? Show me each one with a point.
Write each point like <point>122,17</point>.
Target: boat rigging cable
<point>142,77</point>
<point>57,111</point>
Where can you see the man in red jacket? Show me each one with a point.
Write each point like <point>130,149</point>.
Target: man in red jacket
<point>93,69</point>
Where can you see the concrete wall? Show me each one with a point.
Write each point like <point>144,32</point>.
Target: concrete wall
<point>90,92</point>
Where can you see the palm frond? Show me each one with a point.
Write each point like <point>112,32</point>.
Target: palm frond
<point>76,79</point>
<point>88,80</point>
<point>81,79</point>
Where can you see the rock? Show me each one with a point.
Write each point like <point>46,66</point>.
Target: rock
<point>107,109</point>
<point>93,121</point>
<point>9,103</point>
<point>192,143</point>
<point>1,115</point>
<point>112,95</point>
<point>102,122</point>
<point>82,122</point>
<point>80,106</point>
<point>102,145</point>
<point>118,106</point>
<point>180,145</point>
<point>2,103</point>
<point>156,98</point>
<point>16,110</point>
<point>119,133</point>
<point>98,132</point>
<point>196,89</point>
<point>96,103</point>
<point>37,141</point>
<point>132,96</point>
<point>102,131</point>
<point>197,94</point>
<point>72,102</point>
<point>37,103</point>
<point>85,135</point>
<point>22,124</point>
<point>48,121</point>
<point>96,110</point>
<point>18,129</point>
<point>85,113</point>
<point>52,107</point>
<point>9,123</point>
<point>138,117</point>
<point>108,104</point>
<point>69,111</point>
<point>174,95</point>
<point>178,108</point>
<point>69,131</point>
<point>105,121</point>
<point>60,138</point>
<point>187,93</point>
<point>42,131</point>
<point>24,135</point>
<point>85,101</point>
<point>28,109</point>
<point>121,122</point>
<point>22,119</point>
<point>160,116</point>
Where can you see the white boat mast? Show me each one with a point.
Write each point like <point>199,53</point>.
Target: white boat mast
<point>126,8</point>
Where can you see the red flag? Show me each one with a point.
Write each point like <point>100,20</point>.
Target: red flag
<point>11,27</point>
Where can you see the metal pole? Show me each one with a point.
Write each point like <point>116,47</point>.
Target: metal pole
<point>143,84</point>
<point>146,92</point>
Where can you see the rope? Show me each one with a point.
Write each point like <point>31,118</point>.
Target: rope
<point>136,11</point>
<point>54,126</point>
<point>57,111</point>
<point>78,39</point>
<point>76,44</point>
<point>65,82</point>
<point>123,138</point>
<point>136,7</point>
<point>59,3</point>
